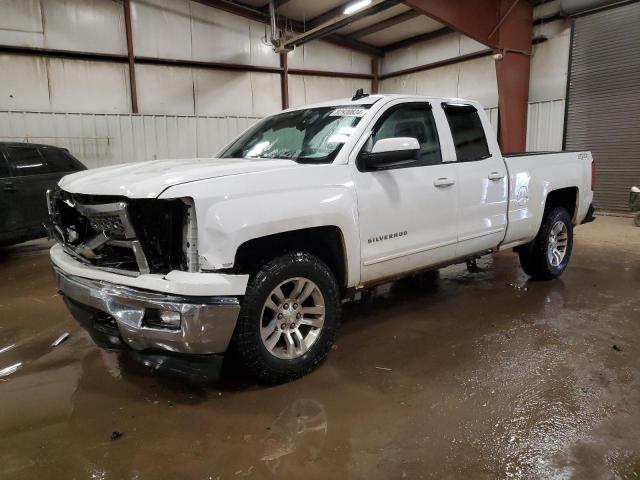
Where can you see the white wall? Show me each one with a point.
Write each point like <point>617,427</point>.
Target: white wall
<point>85,25</point>
<point>306,89</point>
<point>473,79</point>
<point>431,51</point>
<point>319,55</point>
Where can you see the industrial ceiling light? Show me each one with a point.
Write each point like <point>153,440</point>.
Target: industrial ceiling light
<point>354,7</point>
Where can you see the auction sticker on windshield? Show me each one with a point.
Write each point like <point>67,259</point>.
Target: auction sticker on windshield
<point>348,112</point>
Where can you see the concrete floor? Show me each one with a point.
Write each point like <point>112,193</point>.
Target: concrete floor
<point>480,375</point>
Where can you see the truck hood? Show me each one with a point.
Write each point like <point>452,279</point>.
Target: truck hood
<point>150,179</point>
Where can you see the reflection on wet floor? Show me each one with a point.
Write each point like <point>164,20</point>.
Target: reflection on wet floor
<point>444,375</point>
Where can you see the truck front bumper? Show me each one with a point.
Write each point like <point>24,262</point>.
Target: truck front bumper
<point>122,314</point>
<point>126,312</point>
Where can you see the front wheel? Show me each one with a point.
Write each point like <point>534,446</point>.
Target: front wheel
<point>288,319</point>
<point>548,255</point>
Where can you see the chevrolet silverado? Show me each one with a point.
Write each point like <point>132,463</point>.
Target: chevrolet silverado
<point>255,250</point>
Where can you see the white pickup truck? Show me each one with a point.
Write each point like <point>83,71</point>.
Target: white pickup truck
<point>255,250</point>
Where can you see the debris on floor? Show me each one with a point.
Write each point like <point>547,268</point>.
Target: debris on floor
<point>616,348</point>
<point>516,287</point>
<point>385,369</point>
<point>60,339</point>
<point>116,435</point>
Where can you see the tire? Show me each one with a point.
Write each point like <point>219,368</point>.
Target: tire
<point>285,355</point>
<point>537,258</point>
<point>636,219</point>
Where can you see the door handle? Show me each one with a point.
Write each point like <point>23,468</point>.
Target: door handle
<point>443,182</point>
<point>495,176</point>
<point>8,187</point>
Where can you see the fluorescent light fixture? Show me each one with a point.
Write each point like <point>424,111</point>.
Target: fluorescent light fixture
<point>354,7</point>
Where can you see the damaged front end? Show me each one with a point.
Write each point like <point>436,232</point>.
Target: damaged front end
<point>126,236</point>
<point>164,318</point>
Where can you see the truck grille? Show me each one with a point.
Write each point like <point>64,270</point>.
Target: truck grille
<point>107,223</point>
<point>115,233</point>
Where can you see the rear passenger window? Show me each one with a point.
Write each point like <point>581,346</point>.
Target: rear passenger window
<point>27,161</point>
<point>415,121</point>
<point>59,160</point>
<point>467,132</point>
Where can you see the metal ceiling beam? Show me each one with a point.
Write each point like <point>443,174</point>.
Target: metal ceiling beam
<point>506,27</point>
<point>485,22</point>
<point>338,22</point>
<point>259,16</point>
<point>326,16</point>
<point>384,24</point>
<point>237,9</point>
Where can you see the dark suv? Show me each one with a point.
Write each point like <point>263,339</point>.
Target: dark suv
<point>27,171</point>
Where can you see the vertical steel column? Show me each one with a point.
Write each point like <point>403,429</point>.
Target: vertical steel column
<point>375,71</point>
<point>514,30</point>
<point>284,80</point>
<point>513,101</point>
<point>132,67</point>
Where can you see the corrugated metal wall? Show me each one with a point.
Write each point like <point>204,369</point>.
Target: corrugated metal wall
<point>104,139</point>
<point>604,100</point>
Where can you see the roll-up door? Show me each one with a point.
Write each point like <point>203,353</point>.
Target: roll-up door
<point>603,112</point>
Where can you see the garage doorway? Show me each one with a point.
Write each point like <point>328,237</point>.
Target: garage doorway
<point>603,110</point>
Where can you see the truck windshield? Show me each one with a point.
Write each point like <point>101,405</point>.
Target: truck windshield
<point>313,135</point>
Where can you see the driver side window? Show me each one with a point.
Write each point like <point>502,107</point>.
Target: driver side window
<point>415,121</point>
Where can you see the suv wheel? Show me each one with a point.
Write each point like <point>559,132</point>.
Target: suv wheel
<point>289,318</point>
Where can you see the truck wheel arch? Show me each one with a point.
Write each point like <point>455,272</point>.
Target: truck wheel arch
<point>566,198</point>
<point>325,242</point>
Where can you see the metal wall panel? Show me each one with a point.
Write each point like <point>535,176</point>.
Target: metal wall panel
<point>21,23</point>
<point>218,36</point>
<point>477,80</point>
<point>603,113</point>
<point>100,140</point>
<point>161,28</point>
<point>164,90</point>
<point>95,25</point>
<point>88,86</point>
<point>473,79</point>
<point>550,64</point>
<point>24,83</point>
<point>306,89</point>
<point>188,30</point>
<point>441,48</point>
<point>439,82</point>
<point>545,125</point>
<point>319,55</point>
<point>80,25</point>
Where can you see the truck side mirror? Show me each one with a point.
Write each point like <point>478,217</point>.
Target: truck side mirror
<point>390,153</point>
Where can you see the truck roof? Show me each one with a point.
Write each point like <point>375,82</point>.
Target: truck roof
<point>371,99</point>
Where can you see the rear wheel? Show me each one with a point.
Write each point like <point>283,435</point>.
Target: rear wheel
<point>548,255</point>
<point>636,219</point>
<point>289,318</point>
